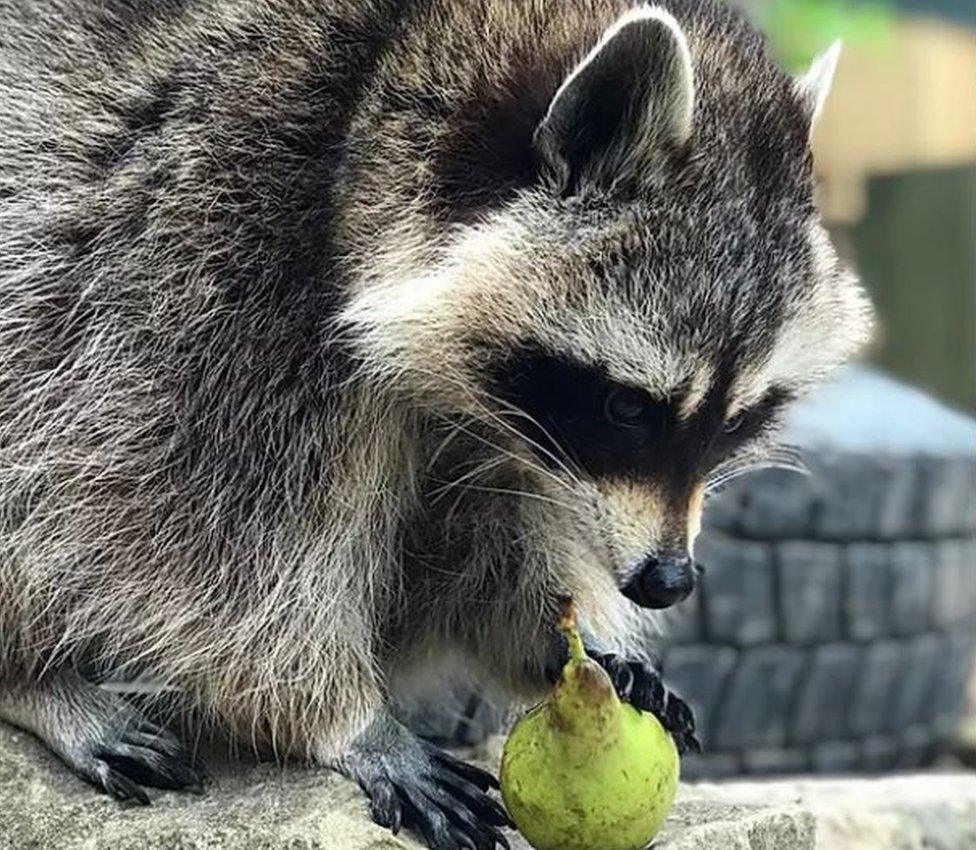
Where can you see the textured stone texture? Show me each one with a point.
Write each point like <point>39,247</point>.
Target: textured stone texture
<point>870,712</point>
<point>825,696</point>
<point>866,596</point>
<point>955,596</point>
<point>920,812</point>
<point>758,703</point>
<point>847,508</point>
<point>899,483</point>
<point>911,587</point>
<point>737,591</point>
<point>688,666</point>
<point>775,504</point>
<point>43,807</point>
<point>918,679</point>
<point>810,590</point>
<point>950,508</point>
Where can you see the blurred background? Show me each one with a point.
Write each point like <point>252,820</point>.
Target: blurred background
<point>835,628</point>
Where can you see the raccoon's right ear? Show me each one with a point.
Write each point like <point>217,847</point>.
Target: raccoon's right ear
<point>628,101</point>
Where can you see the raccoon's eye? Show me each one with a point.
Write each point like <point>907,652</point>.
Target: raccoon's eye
<point>732,425</point>
<point>626,405</point>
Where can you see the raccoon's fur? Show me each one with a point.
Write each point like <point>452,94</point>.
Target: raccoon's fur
<point>310,309</point>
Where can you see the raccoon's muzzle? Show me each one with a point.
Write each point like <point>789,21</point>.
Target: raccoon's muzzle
<point>661,581</point>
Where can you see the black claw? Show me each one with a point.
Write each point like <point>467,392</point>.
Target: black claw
<point>120,786</point>
<point>679,720</point>
<point>485,807</point>
<point>149,767</point>
<point>426,817</point>
<point>678,717</point>
<point>687,743</point>
<point>481,778</point>
<point>472,810</point>
<point>385,805</point>
<point>146,754</point>
<point>497,838</point>
<point>166,745</point>
<point>484,841</point>
<point>656,695</point>
<point>648,693</point>
<point>623,678</point>
<point>462,840</point>
<point>495,814</point>
<point>428,791</point>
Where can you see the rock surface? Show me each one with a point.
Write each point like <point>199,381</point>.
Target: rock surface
<point>43,807</point>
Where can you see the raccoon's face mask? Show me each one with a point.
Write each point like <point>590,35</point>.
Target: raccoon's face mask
<point>638,465</point>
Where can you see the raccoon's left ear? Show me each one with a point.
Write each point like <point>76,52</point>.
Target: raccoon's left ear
<point>814,86</point>
<point>628,101</point>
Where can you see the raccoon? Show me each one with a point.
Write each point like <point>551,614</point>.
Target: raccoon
<point>339,336</point>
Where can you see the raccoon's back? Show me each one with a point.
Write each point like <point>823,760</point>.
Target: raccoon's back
<point>166,267</point>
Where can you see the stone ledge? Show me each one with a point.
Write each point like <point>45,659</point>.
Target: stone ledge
<point>43,807</point>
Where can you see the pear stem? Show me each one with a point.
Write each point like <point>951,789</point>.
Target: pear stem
<point>568,624</point>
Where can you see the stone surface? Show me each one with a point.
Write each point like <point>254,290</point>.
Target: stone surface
<point>870,711</point>
<point>920,674</point>
<point>950,507</point>
<point>899,486</point>
<point>737,590</point>
<point>43,807</point>
<point>868,590</point>
<point>758,702</point>
<point>776,504</point>
<point>918,812</point>
<point>708,668</point>
<point>810,590</point>
<point>825,696</point>
<point>955,586</point>
<point>847,507</point>
<point>911,586</point>
<point>951,693</point>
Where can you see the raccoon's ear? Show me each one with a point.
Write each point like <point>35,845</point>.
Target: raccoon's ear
<point>626,103</point>
<point>814,86</point>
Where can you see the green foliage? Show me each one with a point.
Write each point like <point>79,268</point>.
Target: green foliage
<point>800,29</point>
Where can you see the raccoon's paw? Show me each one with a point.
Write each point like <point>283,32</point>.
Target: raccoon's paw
<point>109,742</point>
<point>420,787</point>
<point>448,805</point>
<point>123,760</point>
<point>638,683</point>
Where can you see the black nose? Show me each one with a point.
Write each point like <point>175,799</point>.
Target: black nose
<point>662,581</point>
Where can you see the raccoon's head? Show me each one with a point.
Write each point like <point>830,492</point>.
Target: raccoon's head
<point>638,317</point>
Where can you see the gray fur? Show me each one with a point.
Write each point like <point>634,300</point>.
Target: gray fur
<point>255,259</point>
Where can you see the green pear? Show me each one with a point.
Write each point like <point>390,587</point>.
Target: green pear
<point>584,771</point>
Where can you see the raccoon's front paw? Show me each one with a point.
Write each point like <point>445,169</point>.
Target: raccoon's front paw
<point>448,804</point>
<point>109,742</point>
<point>122,760</point>
<point>638,683</point>
<point>411,783</point>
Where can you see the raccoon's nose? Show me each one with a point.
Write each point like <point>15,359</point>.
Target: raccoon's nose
<point>662,581</point>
